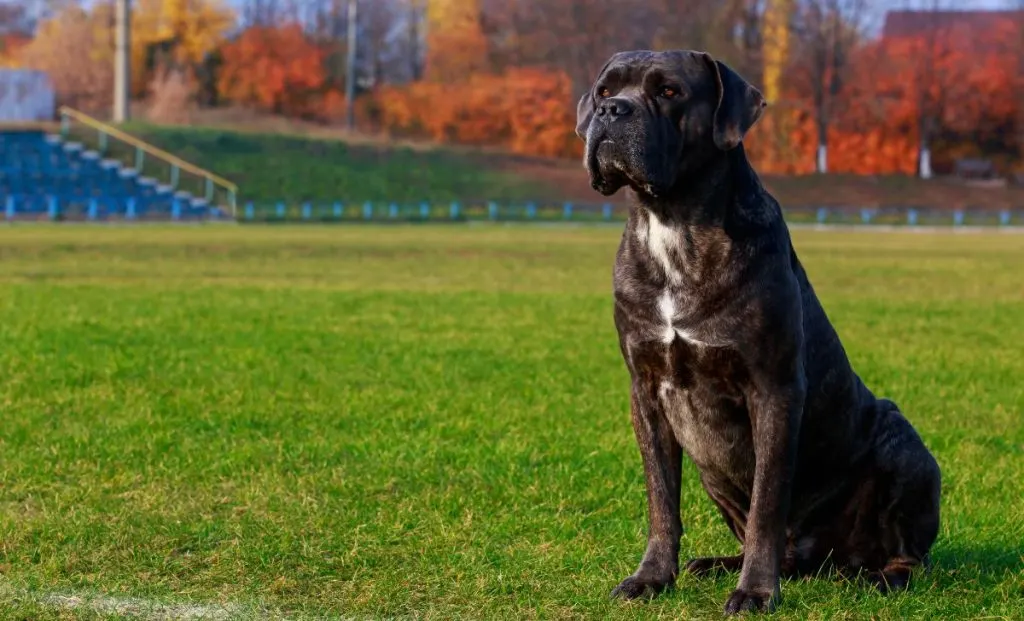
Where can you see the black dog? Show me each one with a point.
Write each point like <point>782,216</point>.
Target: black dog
<point>732,358</point>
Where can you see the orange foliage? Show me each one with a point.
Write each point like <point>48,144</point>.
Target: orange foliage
<point>10,45</point>
<point>966,81</point>
<point>872,150</point>
<point>525,110</point>
<point>274,69</point>
<point>330,107</point>
<point>966,84</point>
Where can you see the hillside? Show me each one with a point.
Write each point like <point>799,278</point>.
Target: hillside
<point>271,167</point>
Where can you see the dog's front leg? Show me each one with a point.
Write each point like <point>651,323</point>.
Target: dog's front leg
<point>662,459</point>
<point>776,406</point>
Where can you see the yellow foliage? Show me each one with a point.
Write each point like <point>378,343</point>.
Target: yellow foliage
<point>776,46</point>
<point>456,45</point>
<point>74,50</point>
<point>776,52</point>
<point>190,29</point>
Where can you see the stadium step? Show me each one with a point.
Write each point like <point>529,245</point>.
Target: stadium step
<point>40,173</point>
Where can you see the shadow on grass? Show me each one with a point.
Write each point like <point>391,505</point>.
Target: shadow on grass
<point>982,559</point>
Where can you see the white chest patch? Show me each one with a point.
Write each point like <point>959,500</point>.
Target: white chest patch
<point>667,309</point>
<point>661,240</point>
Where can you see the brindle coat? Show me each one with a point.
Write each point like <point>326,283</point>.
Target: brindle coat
<point>732,358</point>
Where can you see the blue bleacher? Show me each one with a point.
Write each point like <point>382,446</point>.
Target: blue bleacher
<point>41,176</point>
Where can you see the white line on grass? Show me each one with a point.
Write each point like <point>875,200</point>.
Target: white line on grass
<point>137,607</point>
<point>152,609</point>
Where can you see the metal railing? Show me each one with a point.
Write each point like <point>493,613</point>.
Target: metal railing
<point>477,211</point>
<point>177,165</point>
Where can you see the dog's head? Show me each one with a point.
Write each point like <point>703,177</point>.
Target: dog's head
<point>651,117</point>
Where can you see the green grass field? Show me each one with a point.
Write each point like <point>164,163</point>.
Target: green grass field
<point>422,422</point>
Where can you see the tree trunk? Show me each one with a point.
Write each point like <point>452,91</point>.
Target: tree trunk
<point>924,152</point>
<point>821,163</point>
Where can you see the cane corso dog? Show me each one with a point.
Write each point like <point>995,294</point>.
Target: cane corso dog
<point>731,357</point>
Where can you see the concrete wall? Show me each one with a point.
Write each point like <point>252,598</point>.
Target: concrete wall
<point>26,96</point>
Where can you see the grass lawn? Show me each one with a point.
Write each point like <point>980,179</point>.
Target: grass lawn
<point>433,422</point>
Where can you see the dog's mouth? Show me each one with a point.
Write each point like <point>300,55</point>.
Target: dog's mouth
<point>609,171</point>
<point>608,168</point>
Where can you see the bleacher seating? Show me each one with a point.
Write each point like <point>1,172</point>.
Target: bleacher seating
<point>42,176</point>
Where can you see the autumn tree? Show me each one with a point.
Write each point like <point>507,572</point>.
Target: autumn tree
<point>274,69</point>
<point>829,32</point>
<point>944,80</point>
<point>456,47</point>
<point>15,32</point>
<point>73,50</point>
<point>776,127</point>
<point>170,95</point>
<point>10,49</point>
<point>175,34</point>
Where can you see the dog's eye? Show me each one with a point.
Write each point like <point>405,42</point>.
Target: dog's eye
<point>604,92</point>
<point>668,92</point>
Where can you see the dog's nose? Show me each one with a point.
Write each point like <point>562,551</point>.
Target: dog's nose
<point>614,108</point>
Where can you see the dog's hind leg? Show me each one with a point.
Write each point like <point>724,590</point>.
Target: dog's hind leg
<point>714,565</point>
<point>909,483</point>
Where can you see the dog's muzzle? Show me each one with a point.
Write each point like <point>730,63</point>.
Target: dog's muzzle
<point>623,148</point>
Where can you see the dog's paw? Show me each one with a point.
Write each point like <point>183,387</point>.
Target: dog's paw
<point>712,565</point>
<point>637,587</point>
<point>889,580</point>
<point>742,600</point>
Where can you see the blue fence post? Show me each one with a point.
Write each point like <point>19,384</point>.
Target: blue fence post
<point>567,211</point>
<point>338,209</point>
<point>912,217</point>
<point>52,207</point>
<point>822,215</point>
<point>367,210</point>
<point>492,210</point>
<point>1004,217</point>
<point>250,211</point>
<point>607,211</point>
<point>531,211</point>
<point>865,216</point>
<point>93,210</point>
<point>454,210</point>
<point>392,211</point>
<point>9,208</point>
<point>176,209</point>
<point>129,208</point>
<point>425,210</point>
<point>280,210</point>
<point>307,211</point>
<point>958,217</point>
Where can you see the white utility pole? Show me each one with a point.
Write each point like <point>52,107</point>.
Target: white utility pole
<point>350,72</point>
<point>122,61</point>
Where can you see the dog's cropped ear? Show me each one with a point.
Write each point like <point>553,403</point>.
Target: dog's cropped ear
<point>584,113</point>
<point>740,105</point>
